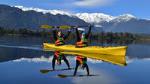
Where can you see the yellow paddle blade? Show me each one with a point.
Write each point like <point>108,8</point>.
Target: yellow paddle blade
<point>44,71</point>
<point>47,26</point>
<point>64,27</point>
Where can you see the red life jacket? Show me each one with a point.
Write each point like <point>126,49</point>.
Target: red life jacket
<point>82,43</point>
<point>59,41</point>
<point>81,59</point>
<point>58,56</point>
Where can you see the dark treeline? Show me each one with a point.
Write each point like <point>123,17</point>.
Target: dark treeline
<point>108,37</point>
<point>24,32</point>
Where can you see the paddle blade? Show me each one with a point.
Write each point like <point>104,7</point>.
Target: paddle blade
<point>62,75</point>
<point>47,26</point>
<point>64,27</point>
<point>44,71</point>
<point>65,75</point>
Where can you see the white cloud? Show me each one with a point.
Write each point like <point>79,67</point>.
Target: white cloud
<point>92,3</point>
<point>44,59</point>
<point>41,59</point>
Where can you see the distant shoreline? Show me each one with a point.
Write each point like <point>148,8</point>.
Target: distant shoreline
<point>104,36</point>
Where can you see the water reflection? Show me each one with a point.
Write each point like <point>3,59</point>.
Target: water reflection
<point>17,53</point>
<point>22,59</point>
<point>134,51</point>
<point>26,70</point>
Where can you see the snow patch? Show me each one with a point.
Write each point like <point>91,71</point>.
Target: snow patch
<point>54,12</point>
<point>95,18</point>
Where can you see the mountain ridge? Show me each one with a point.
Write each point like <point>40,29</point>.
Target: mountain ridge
<point>32,18</point>
<point>87,17</point>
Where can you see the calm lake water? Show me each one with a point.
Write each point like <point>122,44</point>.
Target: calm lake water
<point>22,58</point>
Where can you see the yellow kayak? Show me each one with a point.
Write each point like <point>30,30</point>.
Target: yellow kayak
<point>115,55</point>
<point>119,50</point>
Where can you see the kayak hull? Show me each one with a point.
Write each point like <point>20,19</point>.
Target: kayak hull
<point>120,50</point>
<point>114,55</point>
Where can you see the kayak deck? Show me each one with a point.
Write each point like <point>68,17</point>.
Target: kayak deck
<point>120,50</point>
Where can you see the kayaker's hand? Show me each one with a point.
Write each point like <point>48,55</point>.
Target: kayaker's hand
<point>57,27</point>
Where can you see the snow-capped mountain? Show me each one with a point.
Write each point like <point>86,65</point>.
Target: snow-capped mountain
<point>94,17</point>
<point>124,17</point>
<point>20,17</point>
<point>98,18</point>
<point>54,12</point>
<point>87,17</point>
<point>24,17</point>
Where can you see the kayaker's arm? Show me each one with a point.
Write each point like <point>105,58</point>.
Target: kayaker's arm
<point>55,35</point>
<point>77,34</point>
<point>89,31</point>
<point>66,36</point>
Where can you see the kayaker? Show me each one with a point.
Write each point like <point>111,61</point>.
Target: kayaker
<point>59,40</point>
<point>82,41</point>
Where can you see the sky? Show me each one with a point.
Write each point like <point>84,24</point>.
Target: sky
<point>138,8</point>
